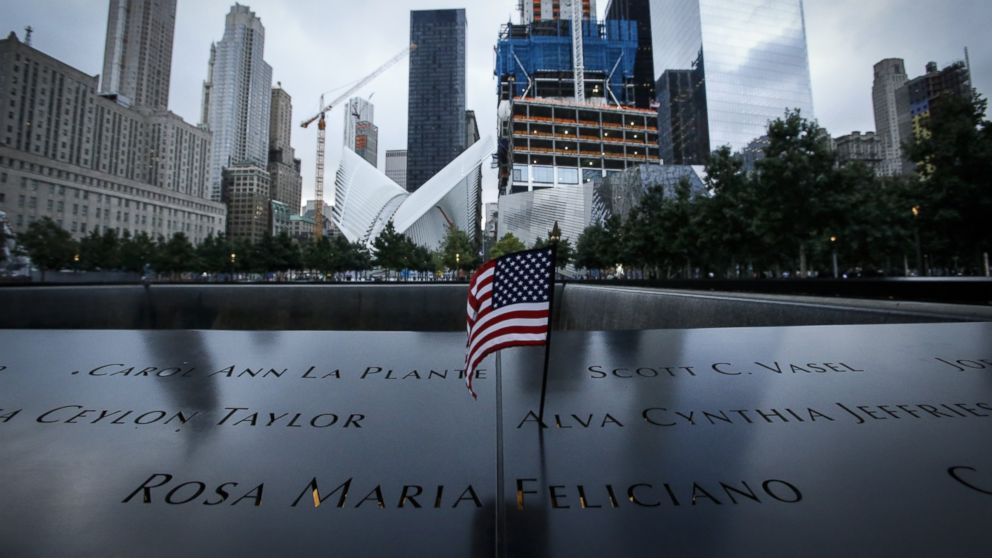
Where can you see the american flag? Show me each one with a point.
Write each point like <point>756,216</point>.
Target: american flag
<point>509,304</point>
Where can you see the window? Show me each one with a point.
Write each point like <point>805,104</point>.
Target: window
<point>519,173</point>
<point>568,175</point>
<point>543,174</point>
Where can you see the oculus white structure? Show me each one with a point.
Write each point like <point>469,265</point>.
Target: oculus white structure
<point>366,199</point>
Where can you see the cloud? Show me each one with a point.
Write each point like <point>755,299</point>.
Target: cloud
<point>316,45</point>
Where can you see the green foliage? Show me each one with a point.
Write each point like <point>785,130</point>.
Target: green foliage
<point>797,186</point>
<point>48,245</point>
<point>564,252</point>
<point>955,196</point>
<point>506,245</point>
<point>727,218</point>
<point>598,246</point>
<point>392,249</point>
<point>173,256</point>
<point>214,254</point>
<point>458,251</point>
<point>139,251</point>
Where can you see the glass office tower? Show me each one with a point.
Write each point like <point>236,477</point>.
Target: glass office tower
<point>725,68</point>
<point>436,113</point>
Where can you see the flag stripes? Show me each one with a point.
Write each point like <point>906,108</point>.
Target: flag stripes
<point>508,305</point>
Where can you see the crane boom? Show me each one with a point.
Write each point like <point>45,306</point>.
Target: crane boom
<point>321,134</point>
<point>578,62</point>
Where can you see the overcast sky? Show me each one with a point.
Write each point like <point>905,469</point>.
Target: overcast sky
<point>320,45</point>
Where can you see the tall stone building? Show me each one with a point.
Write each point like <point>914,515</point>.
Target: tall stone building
<point>890,75</point>
<point>247,191</point>
<point>237,96</point>
<point>237,99</point>
<point>396,166</point>
<point>91,163</point>
<point>866,148</point>
<point>137,57</point>
<point>436,113</point>
<point>284,167</point>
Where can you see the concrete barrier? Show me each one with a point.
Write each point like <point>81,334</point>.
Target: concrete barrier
<point>418,307</point>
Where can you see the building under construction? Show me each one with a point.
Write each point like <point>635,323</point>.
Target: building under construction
<point>536,60</point>
<point>552,134</point>
<point>549,142</point>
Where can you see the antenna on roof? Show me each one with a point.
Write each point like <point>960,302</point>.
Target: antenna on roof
<point>27,35</point>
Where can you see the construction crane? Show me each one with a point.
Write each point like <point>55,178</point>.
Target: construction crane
<point>578,62</point>
<point>321,134</point>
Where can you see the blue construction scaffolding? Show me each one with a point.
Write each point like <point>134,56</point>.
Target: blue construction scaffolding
<point>535,60</point>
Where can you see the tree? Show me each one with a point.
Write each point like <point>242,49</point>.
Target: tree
<point>796,184</point>
<point>290,255</point>
<point>355,255</point>
<point>176,255</point>
<point>100,251</point>
<point>458,251</point>
<point>726,219</point>
<point>678,226</point>
<point>319,255</point>
<point>422,259</point>
<point>506,245</point>
<point>138,252</point>
<point>598,246</point>
<point>214,254</point>
<point>954,158</point>
<point>392,249</point>
<point>48,244</point>
<point>564,252</point>
<point>644,244</point>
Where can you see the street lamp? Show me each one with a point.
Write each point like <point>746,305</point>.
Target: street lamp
<point>833,249</point>
<point>555,234</point>
<point>916,237</point>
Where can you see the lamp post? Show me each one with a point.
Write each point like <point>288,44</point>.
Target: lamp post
<point>458,265</point>
<point>833,249</point>
<point>554,237</point>
<point>233,260</point>
<point>555,234</point>
<point>916,238</point>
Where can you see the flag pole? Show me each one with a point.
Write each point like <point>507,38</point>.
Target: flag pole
<point>500,505</point>
<point>547,344</point>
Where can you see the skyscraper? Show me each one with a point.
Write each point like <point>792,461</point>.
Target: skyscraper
<point>920,101</point>
<point>396,166</point>
<point>137,58</point>
<point>367,141</point>
<point>436,114</point>
<point>284,167</point>
<point>237,96</point>
<point>750,63</point>
<point>890,75</point>
<point>638,11</point>
<point>358,110</point>
<point>93,164</point>
<point>360,134</point>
